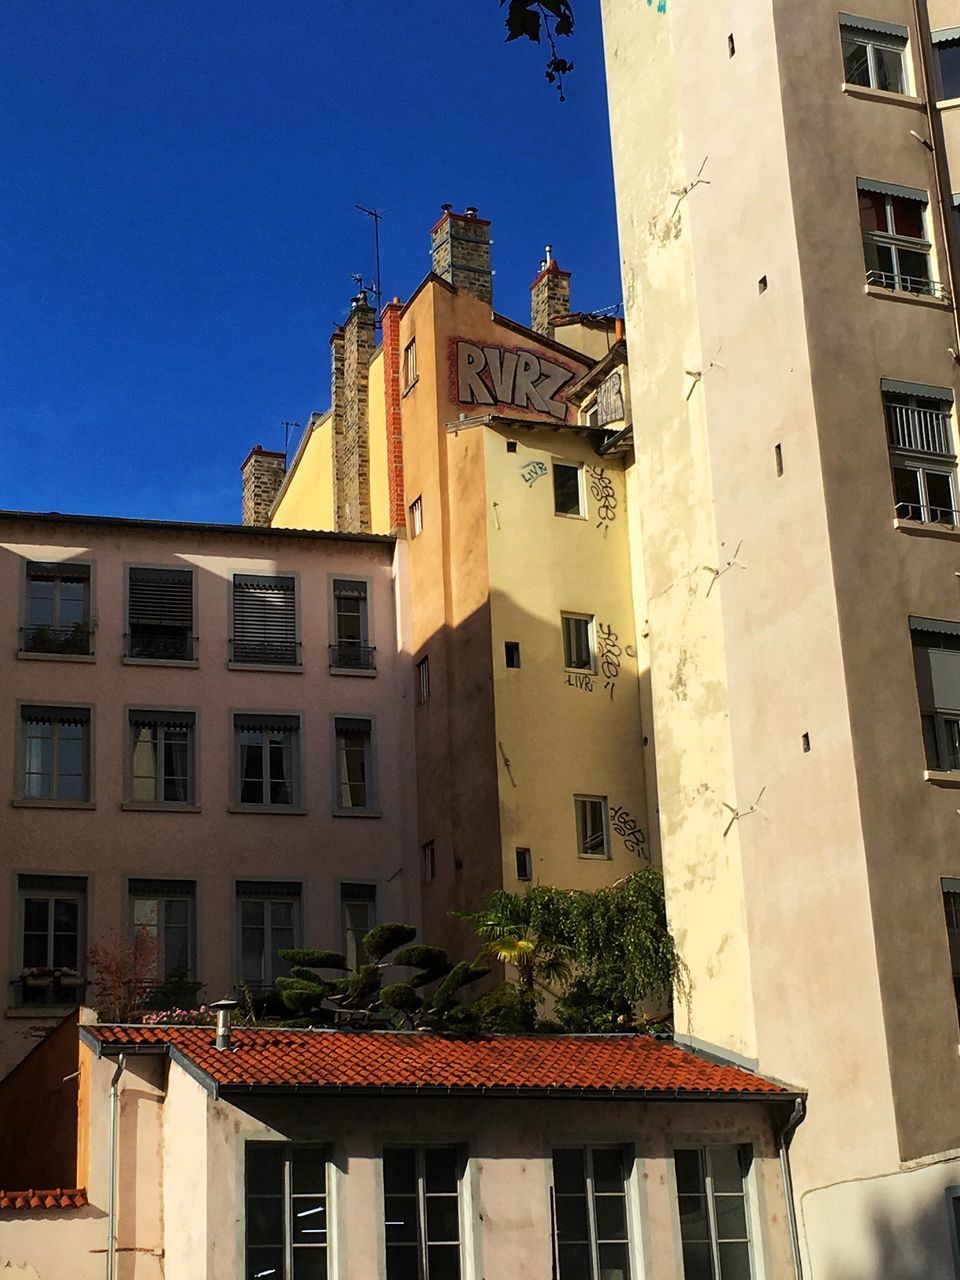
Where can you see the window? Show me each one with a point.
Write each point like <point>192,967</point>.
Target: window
<point>286,1211</point>
<point>267,765</point>
<point>160,615</point>
<point>511,654</point>
<point>921,451</point>
<point>951,907</point>
<point>590,1214</point>
<point>577,641</point>
<point>416,517</point>
<point>351,649</point>
<point>358,915</point>
<point>428,861</point>
<point>713,1212</point>
<point>936,658</point>
<point>593,837</point>
<point>269,922</point>
<point>162,913</point>
<point>590,416</point>
<point>873,53</point>
<point>410,364</point>
<point>56,753</point>
<point>354,764</point>
<point>421,1202</point>
<point>162,757</point>
<point>423,680</point>
<point>524,865</point>
<point>896,245</point>
<point>567,490</point>
<point>57,609</point>
<point>264,620</point>
<point>946,46</point>
<point>52,920</point>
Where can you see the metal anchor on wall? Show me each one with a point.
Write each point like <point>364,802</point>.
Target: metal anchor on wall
<point>698,181</point>
<point>732,563</point>
<point>737,814</point>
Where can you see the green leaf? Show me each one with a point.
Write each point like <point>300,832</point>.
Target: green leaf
<point>400,995</point>
<point>384,938</point>
<point>431,959</point>
<point>314,959</point>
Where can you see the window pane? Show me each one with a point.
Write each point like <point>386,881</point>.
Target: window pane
<point>264,1220</point>
<point>251,769</point>
<point>914,265</point>
<point>873,211</point>
<point>949,58</point>
<point>574,1261</point>
<point>566,490</point>
<point>400,1170</point>
<point>251,954</point>
<point>689,1171</point>
<point>940,497</point>
<point>39,762</point>
<point>309,1264</point>
<point>696,1262</point>
<point>568,1172</point>
<point>576,643</point>
<point>440,1168</point>
<point>35,942</point>
<point>350,619</point>
<point>145,763</point>
<point>443,1262</point>
<point>608,1169</point>
<point>906,492</point>
<point>726,1169</point>
<point>309,1170</point>
<point>614,1262</point>
<point>856,67</point>
<point>443,1219</point>
<point>175,765</point>
<point>400,1219</point>
<point>264,1164</point>
<point>889,64</point>
<point>309,1220</point>
<point>611,1215</point>
<point>352,753</point>
<point>693,1218</point>
<point>572,1217</point>
<point>40,610</point>
<point>403,1262</point>
<point>731,1217</point>
<point>734,1262</point>
<point>264,1264</point>
<point>907,217</point>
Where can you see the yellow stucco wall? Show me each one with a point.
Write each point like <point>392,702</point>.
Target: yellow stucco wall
<point>306,501</point>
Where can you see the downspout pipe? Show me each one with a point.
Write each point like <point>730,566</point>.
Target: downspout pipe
<point>112,1170</point>
<point>786,1134</point>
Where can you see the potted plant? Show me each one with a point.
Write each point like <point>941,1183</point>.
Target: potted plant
<point>38,976</point>
<point>68,977</point>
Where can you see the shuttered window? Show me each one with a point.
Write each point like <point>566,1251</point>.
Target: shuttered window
<point>265,619</point>
<point>936,656</point>
<point>160,614</point>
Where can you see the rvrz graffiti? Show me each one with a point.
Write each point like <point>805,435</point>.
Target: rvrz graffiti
<point>627,827</point>
<point>493,375</point>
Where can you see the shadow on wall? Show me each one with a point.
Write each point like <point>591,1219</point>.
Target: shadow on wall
<point>38,1114</point>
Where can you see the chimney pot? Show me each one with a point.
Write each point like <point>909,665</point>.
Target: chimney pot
<point>223,1010</point>
<point>549,295</point>
<point>446,208</point>
<point>471,211</point>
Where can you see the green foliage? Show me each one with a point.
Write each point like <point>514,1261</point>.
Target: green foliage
<point>316,959</point>
<point>384,938</point>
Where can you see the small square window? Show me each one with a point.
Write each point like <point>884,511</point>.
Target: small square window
<point>593,833</point>
<point>567,490</point>
<point>428,861</point>
<point>410,374</point>
<point>423,680</point>
<point>524,865</point>
<point>578,647</point>
<point>416,517</point>
<point>511,653</point>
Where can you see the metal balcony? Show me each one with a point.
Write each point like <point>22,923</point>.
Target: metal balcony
<point>346,656</point>
<point>909,284</point>
<point>62,640</point>
<point>919,430</point>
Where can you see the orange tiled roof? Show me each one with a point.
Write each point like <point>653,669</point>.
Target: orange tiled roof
<point>57,1199</point>
<point>571,1065</point>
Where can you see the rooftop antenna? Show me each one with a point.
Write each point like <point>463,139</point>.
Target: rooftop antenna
<point>286,439</point>
<point>376,217</point>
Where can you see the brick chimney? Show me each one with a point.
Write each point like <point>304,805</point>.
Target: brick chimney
<point>460,244</point>
<point>549,295</point>
<point>263,473</point>
<point>352,349</point>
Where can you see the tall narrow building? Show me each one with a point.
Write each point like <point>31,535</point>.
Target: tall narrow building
<point>784,179</point>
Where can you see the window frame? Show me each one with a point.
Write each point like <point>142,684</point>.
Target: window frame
<point>422,674</point>
<point>590,619</point>
<point>902,420</point>
<point>751,1225</point>
<point>296,805</point>
<point>371,782</point>
<point>942,96</point>
<point>192,803</point>
<point>367,666</point>
<point>581,512</point>
<point>411,373</point>
<point>347,895</point>
<point>896,243</point>
<point>593,1242</point>
<point>159,896</point>
<point>271,893</point>
<point>58,569</point>
<point>289,1197</point>
<point>582,852</point>
<point>50,893</point>
<point>423,1242</point>
<point>193,660</point>
<point>873,40</point>
<point>428,861</point>
<point>21,798</point>
<point>415,511</point>
<point>248,663</point>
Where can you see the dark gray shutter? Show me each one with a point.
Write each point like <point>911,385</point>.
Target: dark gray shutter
<point>163,888</point>
<point>266,723</point>
<point>52,884</point>
<point>269,888</point>
<point>168,719</point>
<point>264,619</point>
<point>62,715</point>
<point>161,597</point>
<point>937,667</point>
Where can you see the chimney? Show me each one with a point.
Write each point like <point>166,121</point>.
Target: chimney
<point>460,244</point>
<point>263,473</point>
<point>223,1010</point>
<point>549,295</point>
<point>353,347</point>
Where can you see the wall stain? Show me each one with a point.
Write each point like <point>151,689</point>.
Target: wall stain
<point>678,684</point>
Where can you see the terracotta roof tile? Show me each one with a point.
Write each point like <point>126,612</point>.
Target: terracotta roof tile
<point>27,1201</point>
<point>364,1060</point>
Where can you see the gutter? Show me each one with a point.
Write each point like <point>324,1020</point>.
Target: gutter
<point>195,526</point>
<point>112,1159</point>
<point>786,1135</point>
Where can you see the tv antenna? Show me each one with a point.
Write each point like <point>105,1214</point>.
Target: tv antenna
<point>286,439</point>
<point>375,216</point>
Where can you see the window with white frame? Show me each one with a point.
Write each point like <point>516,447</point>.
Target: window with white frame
<point>162,757</point>
<point>163,918</point>
<point>56,753</point>
<point>590,414</point>
<point>567,489</point>
<point>922,454</point>
<point>423,680</point>
<point>951,908</point>
<point>358,915</point>
<point>267,764</point>
<point>287,1234</point>
<point>896,238</point>
<point>52,921</point>
<point>57,609</point>
<point>410,374</point>
<point>428,861</point>
<point>946,47</point>
<point>160,615</point>
<point>265,620</point>
<point>712,1203</point>
<point>354,764</point>
<point>416,517</point>
<point>578,646</point>
<point>936,660</point>
<point>268,921</point>
<point>590,1239</point>
<point>421,1202</point>
<point>593,831</point>
<point>351,650</point>
<point>874,53</point>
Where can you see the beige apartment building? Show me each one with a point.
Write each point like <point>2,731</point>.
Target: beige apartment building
<point>786,180</point>
<point>196,745</point>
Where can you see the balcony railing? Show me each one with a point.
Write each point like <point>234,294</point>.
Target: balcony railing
<point>29,993</point>
<point>347,656</point>
<point>265,653</point>
<point>62,640</point>
<point>920,430</point>
<point>909,284</point>
<point>926,514</point>
<point>172,648</point>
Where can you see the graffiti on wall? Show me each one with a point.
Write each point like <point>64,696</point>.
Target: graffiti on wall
<point>661,5</point>
<point>624,825</point>
<point>601,487</point>
<point>532,471</point>
<point>521,379</point>
<point>609,655</point>
<point>610,400</point>
<point>576,680</point>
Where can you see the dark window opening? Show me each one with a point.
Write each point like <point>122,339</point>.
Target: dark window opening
<point>511,653</point>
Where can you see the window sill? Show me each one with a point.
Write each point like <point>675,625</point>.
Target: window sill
<point>883,95</point>
<point>290,810</point>
<point>51,1012</point>
<point>24,803</point>
<point>159,806</point>
<point>579,671</point>
<point>24,656</point>
<point>295,667</point>
<point>900,295</point>
<point>941,778</point>
<point>358,813</point>
<point>570,515</point>
<point>920,528</point>
<point>160,662</point>
<point>353,671</point>
<point>406,391</point>
<point>947,104</point>
<point>594,857</point>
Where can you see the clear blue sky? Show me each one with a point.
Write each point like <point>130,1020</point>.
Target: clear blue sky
<point>177,222</point>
